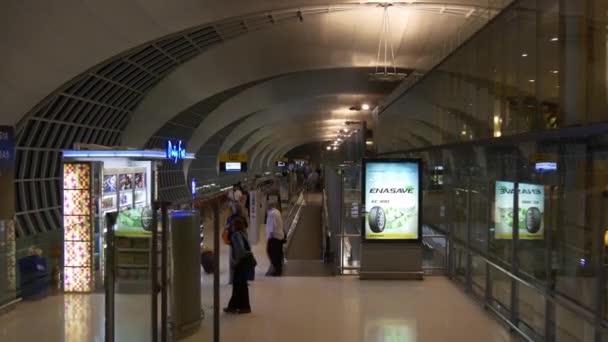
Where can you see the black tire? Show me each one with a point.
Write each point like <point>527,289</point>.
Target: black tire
<point>377,220</point>
<point>534,219</point>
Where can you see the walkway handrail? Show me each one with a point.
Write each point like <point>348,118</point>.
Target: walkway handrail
<point>292,219</point>
<point>326,234</point>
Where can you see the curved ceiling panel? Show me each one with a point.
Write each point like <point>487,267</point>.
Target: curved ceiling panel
<point>316,113</point>
<point>334,40</point>
<point>283,90</point>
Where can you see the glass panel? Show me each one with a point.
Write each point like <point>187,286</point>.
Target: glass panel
<point>434,248</point>
<point>531,309</point>
<point>501,289</point>
<point>571,327</point>
<point>479,273</point>
<point>574,274</point>
<point>351,222</point>
<point>459,263</point>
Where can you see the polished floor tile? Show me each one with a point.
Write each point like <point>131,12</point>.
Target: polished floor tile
<point>293,309</point>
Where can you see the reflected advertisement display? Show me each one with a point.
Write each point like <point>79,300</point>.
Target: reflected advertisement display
<point>530,214</point>
<point>392,199</point>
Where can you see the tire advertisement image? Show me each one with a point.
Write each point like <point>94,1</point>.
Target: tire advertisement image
<point>392,200</point>
<point>531,203</point>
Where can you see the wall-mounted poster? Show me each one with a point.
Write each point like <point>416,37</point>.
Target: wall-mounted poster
<point>140,180</point>
<point>530,214</point>
<point>126,199</point>
<point>126,182</point>
<point>108,203</point>
<point>392,199</point>
<point>109,184</point>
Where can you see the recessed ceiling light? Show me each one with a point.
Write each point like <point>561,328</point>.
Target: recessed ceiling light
<point>524,55</point>
<point>554,39</point>
<point>555,71</point>
<point>531,81</point>
<point>328,148</point>
<point>365,106</point>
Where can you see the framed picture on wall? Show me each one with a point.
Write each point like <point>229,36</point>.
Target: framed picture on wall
<point>109,184</point>
<point>126,182</point>
<point>140,180</point>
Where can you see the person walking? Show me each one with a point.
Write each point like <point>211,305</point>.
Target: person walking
<point>235,218</point>
<point>276,238</point>
<point>243,262</point>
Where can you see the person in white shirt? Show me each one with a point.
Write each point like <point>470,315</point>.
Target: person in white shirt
<point>236,193</point>
<point>276,238</point>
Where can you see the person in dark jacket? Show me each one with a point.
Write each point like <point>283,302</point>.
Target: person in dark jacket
<point>240,250</point>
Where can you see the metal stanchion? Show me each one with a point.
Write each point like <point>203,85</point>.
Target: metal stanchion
<point>216,273</point>
<point>163,273</point>
<point>110,219</point>
<point>154,274</point>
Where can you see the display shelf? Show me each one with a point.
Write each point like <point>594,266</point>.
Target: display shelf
<point>132,266</point>
<point>135,250</point>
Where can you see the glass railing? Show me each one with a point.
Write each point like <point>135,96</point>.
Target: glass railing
<point>527,241</point>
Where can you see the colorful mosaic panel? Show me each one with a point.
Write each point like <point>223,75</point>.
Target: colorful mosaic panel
<point>77,254</point>
<point>76,202</point>
<point>77,224</point>
<point>76,176</point>
<point>77,228</point>
<point>77,279</point>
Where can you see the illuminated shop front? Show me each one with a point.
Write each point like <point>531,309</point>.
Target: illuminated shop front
<point>98,182</point>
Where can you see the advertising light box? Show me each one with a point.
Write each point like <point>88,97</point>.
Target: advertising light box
<point>392,199</point>
<point>531,204</point>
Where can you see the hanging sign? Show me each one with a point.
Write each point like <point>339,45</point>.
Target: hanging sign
<point>175,151</point>
<point>233,157</point>
<point>7,172</point>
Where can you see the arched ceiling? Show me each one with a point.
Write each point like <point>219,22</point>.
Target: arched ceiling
<point>343,39</point>
<point>115,72</point>
<point>274,97</point>
<point>46,44</point>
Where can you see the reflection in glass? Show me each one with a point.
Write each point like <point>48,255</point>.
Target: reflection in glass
<point>391,330</point>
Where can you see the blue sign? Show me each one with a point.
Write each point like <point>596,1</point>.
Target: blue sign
<point>546,167</point>
<point>7,172</point>
<point>193,187</point>
<point>175,151</point>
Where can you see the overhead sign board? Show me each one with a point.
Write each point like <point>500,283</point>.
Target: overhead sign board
<point>392,198</point>
<point>233,157</point>
<point>531,203</point>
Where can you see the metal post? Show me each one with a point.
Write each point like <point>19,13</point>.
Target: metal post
<point>163,273</point>
<point>110,219</point>
<point>216,273</point>
<point>154,275</point>
<point>488,292</point>
<point>469,256</point>
<point>600,294</point>
<point>514,256</point>
<point>549,306</point>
